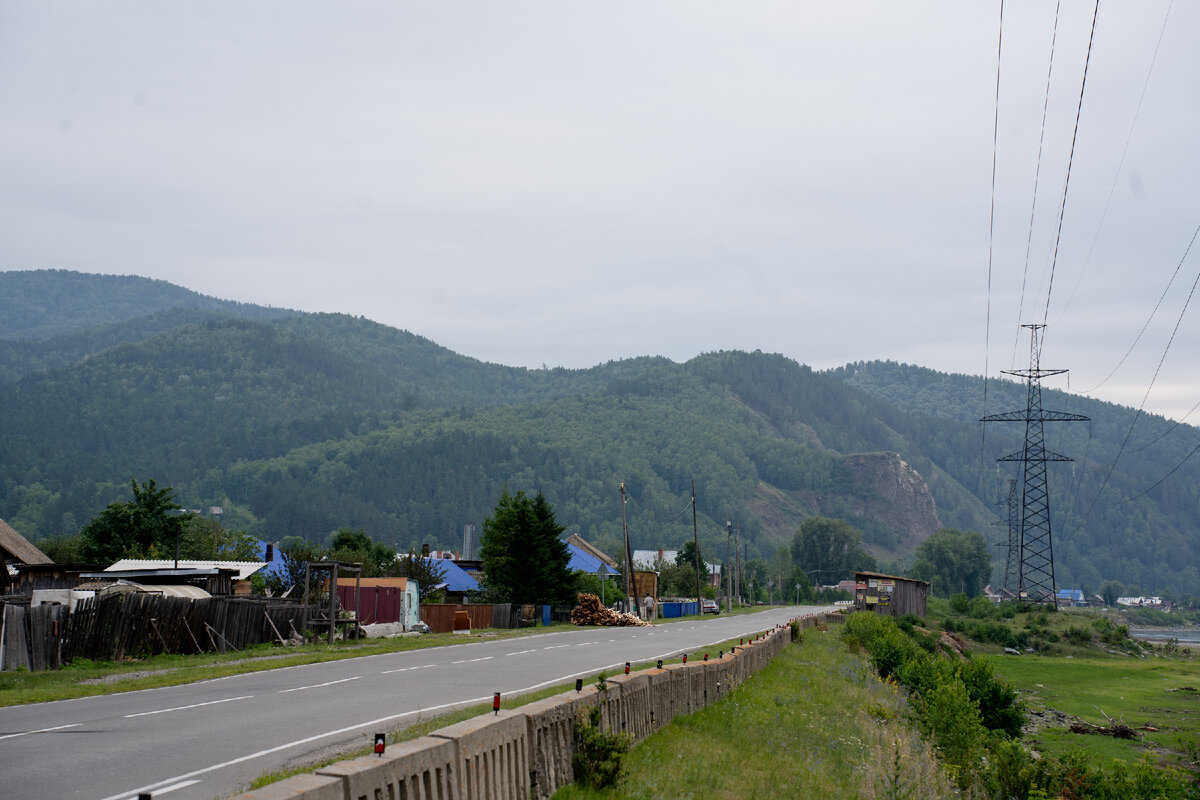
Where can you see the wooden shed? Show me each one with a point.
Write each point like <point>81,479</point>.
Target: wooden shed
<point>889,594</point>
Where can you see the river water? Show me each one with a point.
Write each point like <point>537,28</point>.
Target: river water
<point>1189,636</point>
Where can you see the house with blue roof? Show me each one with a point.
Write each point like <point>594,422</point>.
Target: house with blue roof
<point>1071,597</point>
<point>456,581</point>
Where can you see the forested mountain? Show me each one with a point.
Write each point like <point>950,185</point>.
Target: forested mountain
<point>303,423</point>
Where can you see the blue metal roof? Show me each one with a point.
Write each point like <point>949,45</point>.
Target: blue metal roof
<point>585,561</point>
<point>455,578</point>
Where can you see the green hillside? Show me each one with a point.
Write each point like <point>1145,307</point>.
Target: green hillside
<point>298,424</point>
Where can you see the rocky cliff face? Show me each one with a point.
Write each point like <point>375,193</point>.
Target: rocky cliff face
<point>881,488</point>
<point>890,491</point>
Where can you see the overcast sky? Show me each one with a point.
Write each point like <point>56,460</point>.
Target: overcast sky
<point>566,183</point>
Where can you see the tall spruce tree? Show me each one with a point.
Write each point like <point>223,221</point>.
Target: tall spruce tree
<point>524,560</point>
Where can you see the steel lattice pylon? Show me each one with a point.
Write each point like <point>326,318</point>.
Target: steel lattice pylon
<point>1014,536</point>
<point>1035,567</point>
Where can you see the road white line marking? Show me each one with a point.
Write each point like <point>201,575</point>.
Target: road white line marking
<point>41,730</point>
<point>407,669</point>
<point>319,685</point>
<point>166,789</point>
<point>556,647</point>
<point>520,652</point>
<point>184,708</point>
<point>213,768</point>
<point>473,660</point>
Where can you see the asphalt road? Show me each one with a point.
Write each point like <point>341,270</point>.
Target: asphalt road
<point>210,739</point>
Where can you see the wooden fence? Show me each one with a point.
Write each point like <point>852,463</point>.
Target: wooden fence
<point>134,625</point>
<point>440,617</point>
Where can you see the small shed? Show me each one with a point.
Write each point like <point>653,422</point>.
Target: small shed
<point>889,594</point>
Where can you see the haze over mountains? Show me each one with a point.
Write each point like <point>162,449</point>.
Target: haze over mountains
<point>299,423</point>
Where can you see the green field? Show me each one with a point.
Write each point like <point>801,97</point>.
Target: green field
<point>1152,692</point>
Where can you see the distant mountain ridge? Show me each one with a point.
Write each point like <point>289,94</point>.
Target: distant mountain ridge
<point>300,423</point>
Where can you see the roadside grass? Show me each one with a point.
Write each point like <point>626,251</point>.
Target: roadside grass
<point>1162,693</point>
<point>83,678</point>
<point>816,722</point>
<point>423,726</point>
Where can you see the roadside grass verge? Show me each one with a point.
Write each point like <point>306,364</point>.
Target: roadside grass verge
<point>816,722</point>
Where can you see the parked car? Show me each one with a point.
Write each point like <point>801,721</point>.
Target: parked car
<point>710,607</point>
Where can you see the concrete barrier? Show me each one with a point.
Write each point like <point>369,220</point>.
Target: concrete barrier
<point>418,769</point>
<point>551,734</point>
<point>635,704</point>
<point>492,756</point>
<point>299,787</point>
<point>662,709</point>
<point>528,752</point>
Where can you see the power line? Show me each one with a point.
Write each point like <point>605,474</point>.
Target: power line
<point>1062,209</point>
<point>1037,173</point>
<point>987,325</point>
<point>1162,297</point>
<point>1145,397</point>
<point>1121,164</point>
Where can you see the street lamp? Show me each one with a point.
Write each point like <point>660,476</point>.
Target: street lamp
<point>797,594</point>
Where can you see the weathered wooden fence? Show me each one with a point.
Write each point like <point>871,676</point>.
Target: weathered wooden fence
<point>134,625</point>
<point>32,637</point>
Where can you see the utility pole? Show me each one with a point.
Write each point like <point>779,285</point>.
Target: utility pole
<point>728,569</point>
<point>737,564</point>
<point>696,545</point>
<point>630,583</point>
<point>1035,572</point>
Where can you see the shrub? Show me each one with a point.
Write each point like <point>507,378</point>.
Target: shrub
<point>1078,634</point>
<point>597,759</point>
<point>862,628</point>
<point>960,605</point>
<point>994,632</point>
<point>890,650</point>
<point>996,700</point>
<point>952,720</point>
<point>797,631</point>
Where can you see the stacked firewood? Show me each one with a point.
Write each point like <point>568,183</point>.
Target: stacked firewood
<point>590,612</point>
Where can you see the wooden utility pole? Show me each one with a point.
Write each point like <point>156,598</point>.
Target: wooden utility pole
<point>696,545</point>
<point>630,582</point>
<point>728,569</point>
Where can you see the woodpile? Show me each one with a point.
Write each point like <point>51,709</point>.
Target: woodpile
<point>590,612</point>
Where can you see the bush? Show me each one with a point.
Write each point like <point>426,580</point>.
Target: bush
<point>890,650</point>
<point>960,604</point>
<point>996,700</point>
<point>597,759</point>
<point>862,628</point>
<point>952,720</point>
<point>994,632</point>
<point>797,631</point>
<point>1078,634</point>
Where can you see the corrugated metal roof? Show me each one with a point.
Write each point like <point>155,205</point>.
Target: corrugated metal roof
<point>455,578</point>
<point>585,561</point>
<point>189,592</point>
<point>245,568</point>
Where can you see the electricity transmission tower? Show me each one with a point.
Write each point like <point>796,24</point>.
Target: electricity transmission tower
<point>1035,565</point>
<point>1012,552</point>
